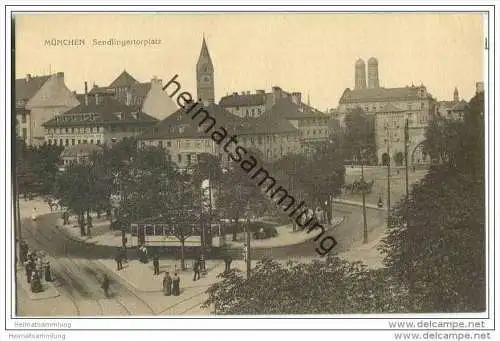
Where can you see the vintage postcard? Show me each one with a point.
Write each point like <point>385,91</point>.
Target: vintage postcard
<point>230,163</point>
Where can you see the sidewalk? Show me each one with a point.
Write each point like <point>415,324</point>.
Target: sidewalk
<point>285,237</point>
<point>358,203</point>
<point>26,207</point>
<point>49,289</point>
<point>101,233</point>
<point>140,276</point>
<point>367,253</point>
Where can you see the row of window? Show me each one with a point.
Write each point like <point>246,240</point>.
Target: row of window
<point>314,131</point>
<point>66,142</point>
<point>374,107</point>
<point>95,129</point>
<point>77,117</point>
<point>81,130</point>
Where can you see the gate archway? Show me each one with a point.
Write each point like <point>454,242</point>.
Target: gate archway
<point>419,156</point>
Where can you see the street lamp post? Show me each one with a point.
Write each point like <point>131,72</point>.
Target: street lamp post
<point>407,141</point>
<point>364,188</point>
<point>249,261</point>
<point>388,141</point>
<point>247,250</point>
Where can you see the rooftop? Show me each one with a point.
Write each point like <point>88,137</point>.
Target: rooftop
<point>382,94</point>
<point>26,88</point>
<point>107,110</point>
<point>123,80</point>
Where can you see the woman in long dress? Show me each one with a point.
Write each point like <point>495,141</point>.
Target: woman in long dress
<point>167,284</point>
<point>176,285</point>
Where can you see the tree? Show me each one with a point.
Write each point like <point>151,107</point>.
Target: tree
<point>359,134</point>
<point>325,174</point>
<point>238,195</point>
<point>436,244</point>
<point>299,288</point>
<point>81,187</point>
<point>146,182</point>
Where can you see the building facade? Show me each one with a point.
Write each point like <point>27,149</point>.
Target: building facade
<point>391,108</point>
<point>39,99</point>
<point>271,124</point>
<point>98,120</point>
<point>125,89</point>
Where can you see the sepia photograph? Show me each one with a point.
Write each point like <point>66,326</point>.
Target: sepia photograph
<point>210,164</point>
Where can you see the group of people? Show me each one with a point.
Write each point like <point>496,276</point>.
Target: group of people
<point>36,266</point>
<point>171,285</point>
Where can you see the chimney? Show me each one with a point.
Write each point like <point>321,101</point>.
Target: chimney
<point>28,77</point>
<point>156,83</point>
<point>296,97</point>
<point>277,94</point>
<point>86,95</point>
<point>128,100</point>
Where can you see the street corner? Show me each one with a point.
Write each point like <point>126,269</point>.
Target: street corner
<point>136,274</point>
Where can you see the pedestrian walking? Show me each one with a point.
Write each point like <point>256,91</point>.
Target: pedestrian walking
<point>118,259</point>
<point>105,285</point>
<point>143,254</point>
<point>245,252</point>
<point>167,284</point>
<point>39,267</point>
<point>176,286</point>
<point>29,268</point>
<point>124,253</point>
<point>196,269</point>
<point>47,272</point>
<point>227,262</point>
<point>36,284</point>
<point>156,264</point>
<point>34,214</point>
<point>24,251</point>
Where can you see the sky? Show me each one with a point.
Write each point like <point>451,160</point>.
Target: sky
<point>312,53</point>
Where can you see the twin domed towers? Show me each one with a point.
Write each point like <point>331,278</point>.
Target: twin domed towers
<point>360,74</point>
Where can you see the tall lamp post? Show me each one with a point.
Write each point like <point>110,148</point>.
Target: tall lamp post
<point>388,142</point>
<point>407,142</point>
<point>247,251</point>
<point>364,189</point>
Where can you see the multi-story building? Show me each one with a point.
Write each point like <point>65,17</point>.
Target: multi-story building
<point>451,109</point>
<point>184,140</point>
<point>125,89</point>
<point>98,120</point>
<point>273,124</point>
<point>39,99</point>
<point>391,108</point>
<point>253,105</point>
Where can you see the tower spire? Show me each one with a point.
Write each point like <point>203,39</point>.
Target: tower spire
<point>205,74</point>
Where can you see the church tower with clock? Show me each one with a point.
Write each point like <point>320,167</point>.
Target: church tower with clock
<point>205,76</point>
